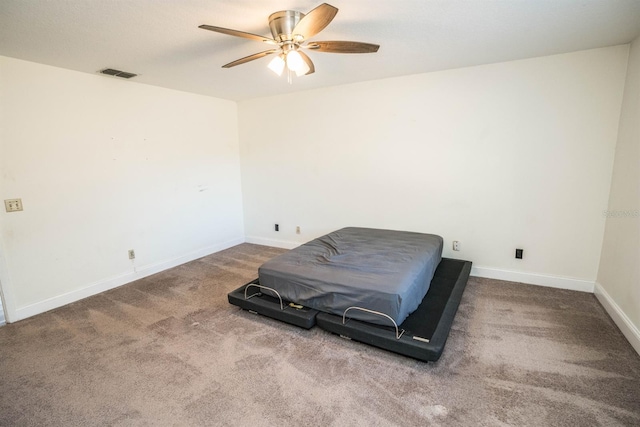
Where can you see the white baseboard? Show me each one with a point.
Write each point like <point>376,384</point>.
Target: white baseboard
<point>114,282</point>
<point>284,244</point>
<point>534,279</point>
<point>628,329</point>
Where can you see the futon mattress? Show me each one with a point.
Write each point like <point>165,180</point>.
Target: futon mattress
<point>382,270</point>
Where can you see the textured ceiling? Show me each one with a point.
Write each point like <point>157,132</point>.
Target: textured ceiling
<point>161,41</point>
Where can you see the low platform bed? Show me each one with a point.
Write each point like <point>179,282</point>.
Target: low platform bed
<point>425,330</point>
<point>408,309</point>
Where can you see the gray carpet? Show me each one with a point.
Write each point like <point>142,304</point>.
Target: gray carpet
<point>170,350</point>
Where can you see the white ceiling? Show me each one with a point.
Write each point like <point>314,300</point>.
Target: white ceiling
<point>161,41</point>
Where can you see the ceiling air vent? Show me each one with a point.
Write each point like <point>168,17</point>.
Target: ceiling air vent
<point>117,73</point>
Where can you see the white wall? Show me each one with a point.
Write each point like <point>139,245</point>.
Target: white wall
<point>619,274</point>
<point>501,156</point>
<point>102,166</point>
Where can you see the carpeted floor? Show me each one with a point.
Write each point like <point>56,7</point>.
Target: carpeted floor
<point>170,350</point>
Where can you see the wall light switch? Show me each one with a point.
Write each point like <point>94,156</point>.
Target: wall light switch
<point>13,205</point>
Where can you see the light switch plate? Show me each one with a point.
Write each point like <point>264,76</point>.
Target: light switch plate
<point>13,205</point>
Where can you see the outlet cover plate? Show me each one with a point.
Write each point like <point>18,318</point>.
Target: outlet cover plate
<point>13,205</point>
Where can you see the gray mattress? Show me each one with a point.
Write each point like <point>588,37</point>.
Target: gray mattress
<point>381,270</point>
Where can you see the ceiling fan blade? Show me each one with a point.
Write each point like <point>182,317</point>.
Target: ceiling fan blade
<point>343,47</point>
<point>309,62</point>
<point>250,58</point>
<point>315,21</point>
<point>238,34</point>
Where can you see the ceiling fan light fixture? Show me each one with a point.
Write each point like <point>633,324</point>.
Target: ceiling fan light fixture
<point>291,30</point>
<point>296,64</point>
<point>277,64</point>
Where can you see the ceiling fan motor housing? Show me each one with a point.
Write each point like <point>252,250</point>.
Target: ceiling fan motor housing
<point>282,24</point>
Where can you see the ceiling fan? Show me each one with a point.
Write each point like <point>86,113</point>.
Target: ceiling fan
<point>291,32</point>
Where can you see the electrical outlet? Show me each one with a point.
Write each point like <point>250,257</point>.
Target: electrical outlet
<point>456,245</point>
<point>277,227</point>
<point>13,205</point>
<point>132,254</point>
<point>519,253</point>
<point>297,229</point>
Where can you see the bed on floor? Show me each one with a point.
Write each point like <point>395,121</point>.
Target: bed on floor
<point>387,288</point>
